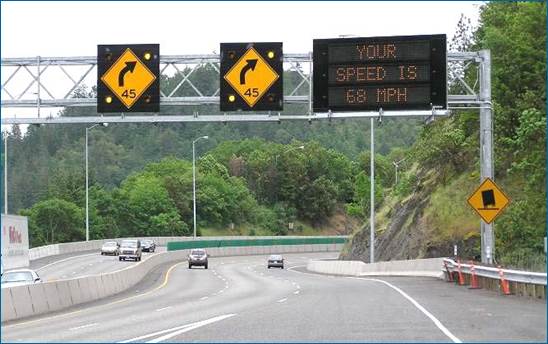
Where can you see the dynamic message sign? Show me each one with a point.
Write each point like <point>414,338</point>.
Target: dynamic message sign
<point>392,73</point>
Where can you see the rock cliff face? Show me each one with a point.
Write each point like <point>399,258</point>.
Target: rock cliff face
<point>408,234</point>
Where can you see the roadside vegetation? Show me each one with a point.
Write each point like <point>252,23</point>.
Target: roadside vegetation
<point>254,179</point>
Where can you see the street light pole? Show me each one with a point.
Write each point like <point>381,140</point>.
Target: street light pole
<point>194,179</point>
<point>87,178</point>
<point>6,173</point>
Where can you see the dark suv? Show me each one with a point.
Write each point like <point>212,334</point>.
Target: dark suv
<point>148,245</point>
<point>197,256</point>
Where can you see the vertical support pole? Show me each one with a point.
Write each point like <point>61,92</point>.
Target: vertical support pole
<point>87,187</point>
<point>486,150</point>
<point>38,88</point>
<point>372,195</point>
<point>6,172</point>
<point>194,186</point>
<point>310,84</point>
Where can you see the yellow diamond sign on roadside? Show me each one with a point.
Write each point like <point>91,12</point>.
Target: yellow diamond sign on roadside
<point>128,78</point>
<point>251,76</point>
<point>488,200</point>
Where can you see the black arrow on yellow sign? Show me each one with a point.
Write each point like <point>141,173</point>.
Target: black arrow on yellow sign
<point>130,67</point>
<point>250,65</point>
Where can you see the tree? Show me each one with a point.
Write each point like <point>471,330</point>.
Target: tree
<point>54,220</point>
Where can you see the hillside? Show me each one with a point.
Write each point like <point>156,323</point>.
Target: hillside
<point>426,213</point>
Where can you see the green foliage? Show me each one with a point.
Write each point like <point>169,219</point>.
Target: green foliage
<point>54,220</point>
<point>406,184</point>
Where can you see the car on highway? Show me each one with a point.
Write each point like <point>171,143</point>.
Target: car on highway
<point>148,245</point>
<point>18,277</point>
<point>130,249</point>
<point>110,248</point>
<point>198,257</point>
<point>275,261</point>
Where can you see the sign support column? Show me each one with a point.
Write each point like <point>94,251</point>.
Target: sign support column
<point>486,150</point>
<point>372,195</point>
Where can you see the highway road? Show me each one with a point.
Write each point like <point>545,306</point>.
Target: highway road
<point>239,299</point>
<point>80,264</point>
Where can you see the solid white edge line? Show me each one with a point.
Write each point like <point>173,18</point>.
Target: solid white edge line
<point>282,300</point>
<point>438,323</point>
<point>419,307</point>
<point>191,327</point>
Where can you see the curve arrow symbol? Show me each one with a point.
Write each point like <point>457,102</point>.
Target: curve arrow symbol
<point>250,65</point>
<point>130,67</point>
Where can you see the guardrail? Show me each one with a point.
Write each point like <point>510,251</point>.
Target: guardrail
<point>507,281</point>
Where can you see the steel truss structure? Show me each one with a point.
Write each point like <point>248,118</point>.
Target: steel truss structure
<point>30,74</point>
<point>37,91</point>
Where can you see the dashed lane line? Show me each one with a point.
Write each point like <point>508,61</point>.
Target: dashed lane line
<point>162,309</point>
<point>83,326</point>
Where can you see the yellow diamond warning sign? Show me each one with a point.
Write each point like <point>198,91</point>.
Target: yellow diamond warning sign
<point>251,76</point>
<point>128,78</point>
<point>488,200</point>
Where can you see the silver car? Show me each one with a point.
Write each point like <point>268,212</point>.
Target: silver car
<point>276,261</point>
<point>197,256</point>
<point>110,248</point>
<point>130,249</point>
<point>18,277</point>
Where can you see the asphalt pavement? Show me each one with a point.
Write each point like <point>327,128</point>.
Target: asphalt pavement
<point>80,264</point>
<point>239,299</point>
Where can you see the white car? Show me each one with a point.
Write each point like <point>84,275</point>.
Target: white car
<point>110,248</point>
<point>14,278</point>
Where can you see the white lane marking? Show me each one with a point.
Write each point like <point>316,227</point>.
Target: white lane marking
<point>282,300</point>
<point>90,264</point>
<point>74,272</point>
<point>83,326</point>
<point>419,307</point>
<point>204,298</point>
<point>64,260</point>
<point>415,303</point>
<point>175,331</point>
<point>296,292</point>
<point>221,291</point>
<point>162,309</point>
<point>64,276</point>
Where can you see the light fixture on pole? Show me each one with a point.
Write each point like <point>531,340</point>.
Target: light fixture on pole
<point>87,178</point>
<point>397,165</point>
<point>194,178</point>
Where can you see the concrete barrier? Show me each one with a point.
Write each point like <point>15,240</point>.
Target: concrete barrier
<point>24,301</point>
<point>418,267</point>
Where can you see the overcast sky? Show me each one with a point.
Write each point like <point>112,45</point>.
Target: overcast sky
<point>75,28</point>
<point>63,28</point>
